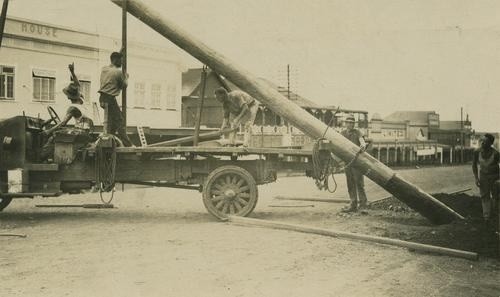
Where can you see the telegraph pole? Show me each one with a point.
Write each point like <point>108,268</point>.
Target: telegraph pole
<point>124,61</point>
<point>288,80</point>
<point>3,17</point>
<point>462,144</point>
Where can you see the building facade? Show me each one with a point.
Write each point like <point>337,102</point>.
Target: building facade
<point>34,60</point>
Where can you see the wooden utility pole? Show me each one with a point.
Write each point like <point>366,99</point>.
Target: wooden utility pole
<point>462,143</point>
<point>200,105</point>
<point>3,18</point>
<point>288,80</point>
<point>413,196</point>
<point>124,60</point>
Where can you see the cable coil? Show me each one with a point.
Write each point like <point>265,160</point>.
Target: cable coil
<point>105,166</point>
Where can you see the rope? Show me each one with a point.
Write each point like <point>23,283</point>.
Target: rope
<point>325,165</point>
<point>105,167</point>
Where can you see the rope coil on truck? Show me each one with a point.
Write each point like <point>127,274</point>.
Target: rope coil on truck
<point>105,166</point>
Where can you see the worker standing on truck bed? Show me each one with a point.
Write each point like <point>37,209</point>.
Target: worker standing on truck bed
<point>239,109</point>
<point>112,82</point>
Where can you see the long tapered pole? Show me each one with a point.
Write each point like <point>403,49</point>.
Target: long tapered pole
<point>413,196</point>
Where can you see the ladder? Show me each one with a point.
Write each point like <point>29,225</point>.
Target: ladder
<point>142,137</point>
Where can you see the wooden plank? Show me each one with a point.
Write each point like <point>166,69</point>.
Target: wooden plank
<point>356,236</point>
<point>41,167</point>
<point>188,139</point>
<point>214,150</point>
<point>413,196</point>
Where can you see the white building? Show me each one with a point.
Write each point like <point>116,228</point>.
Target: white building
<point>34,60</point>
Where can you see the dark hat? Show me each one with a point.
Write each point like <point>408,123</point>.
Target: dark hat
<point>350,118</point>
<point>72,91</point>
<point>115,55</point>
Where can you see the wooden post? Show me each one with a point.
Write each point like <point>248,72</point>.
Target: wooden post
<point>413,196</point>
<point>378,152</point>
<point>403,154</point>
<point>124,61</point>
<point>263,121</point>
<point>387,155</point>
<point>3,18</point>
<point>200,106</point>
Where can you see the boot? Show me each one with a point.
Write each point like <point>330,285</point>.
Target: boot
<point>350,208</point>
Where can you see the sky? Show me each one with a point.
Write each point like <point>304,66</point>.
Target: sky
<point>375,55</point>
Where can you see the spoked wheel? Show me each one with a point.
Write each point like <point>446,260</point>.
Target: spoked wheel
<point>230,190</point>
<point>4,202</point>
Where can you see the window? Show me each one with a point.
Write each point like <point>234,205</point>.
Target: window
<point>85,84</point>
<point>6,82</point>
<point>139,94</point>
<point>171,97</point>
<point>44,82</point>
<point>156,96</point>
<point>85,90</point>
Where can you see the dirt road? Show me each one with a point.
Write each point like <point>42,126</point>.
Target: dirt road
<point>162,242</point>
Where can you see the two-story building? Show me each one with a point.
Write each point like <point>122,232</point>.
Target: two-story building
<point>34,60</point>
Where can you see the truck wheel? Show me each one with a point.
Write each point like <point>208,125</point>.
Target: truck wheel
<point>230,190</point>
<point>4,202</point>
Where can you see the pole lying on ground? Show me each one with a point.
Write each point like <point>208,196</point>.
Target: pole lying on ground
<point>13,235</point>
<point>313,199</point>
<point>356,236</point>
<point>188,139</point>
<point>413,196</point>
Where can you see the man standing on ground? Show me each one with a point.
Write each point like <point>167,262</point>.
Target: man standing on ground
<point>239,108</point>
<point>112,82</point>
<point>487,158</point>
<point>355,180</point>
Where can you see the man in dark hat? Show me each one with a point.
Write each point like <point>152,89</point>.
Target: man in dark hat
<point>487,159</point>
<point>239,109</point>
<point>83,124</point>
<point>112,83</point>
<point>355,179</point>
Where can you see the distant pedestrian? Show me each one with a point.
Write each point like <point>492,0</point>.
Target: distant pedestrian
<point>239,109</point>
<point>355,180</point>
<point>112,82</point>
<point>487,159</point>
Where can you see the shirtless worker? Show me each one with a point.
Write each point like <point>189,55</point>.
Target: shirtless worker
<point>77,111</point>
<point>486,158</point>
<point>239,109</point>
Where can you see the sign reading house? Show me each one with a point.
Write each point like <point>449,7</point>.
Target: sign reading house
<point>47,33</point>
<point>37,29</point>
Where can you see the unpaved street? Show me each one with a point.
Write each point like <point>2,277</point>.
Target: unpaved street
<point>162,242</point>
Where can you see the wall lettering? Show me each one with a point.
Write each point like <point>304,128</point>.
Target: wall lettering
<point>39,30</point>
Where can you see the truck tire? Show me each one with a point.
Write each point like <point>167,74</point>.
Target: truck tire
<point>230,190</point>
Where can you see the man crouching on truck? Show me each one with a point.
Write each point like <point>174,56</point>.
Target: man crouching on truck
<point>239,109</point>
